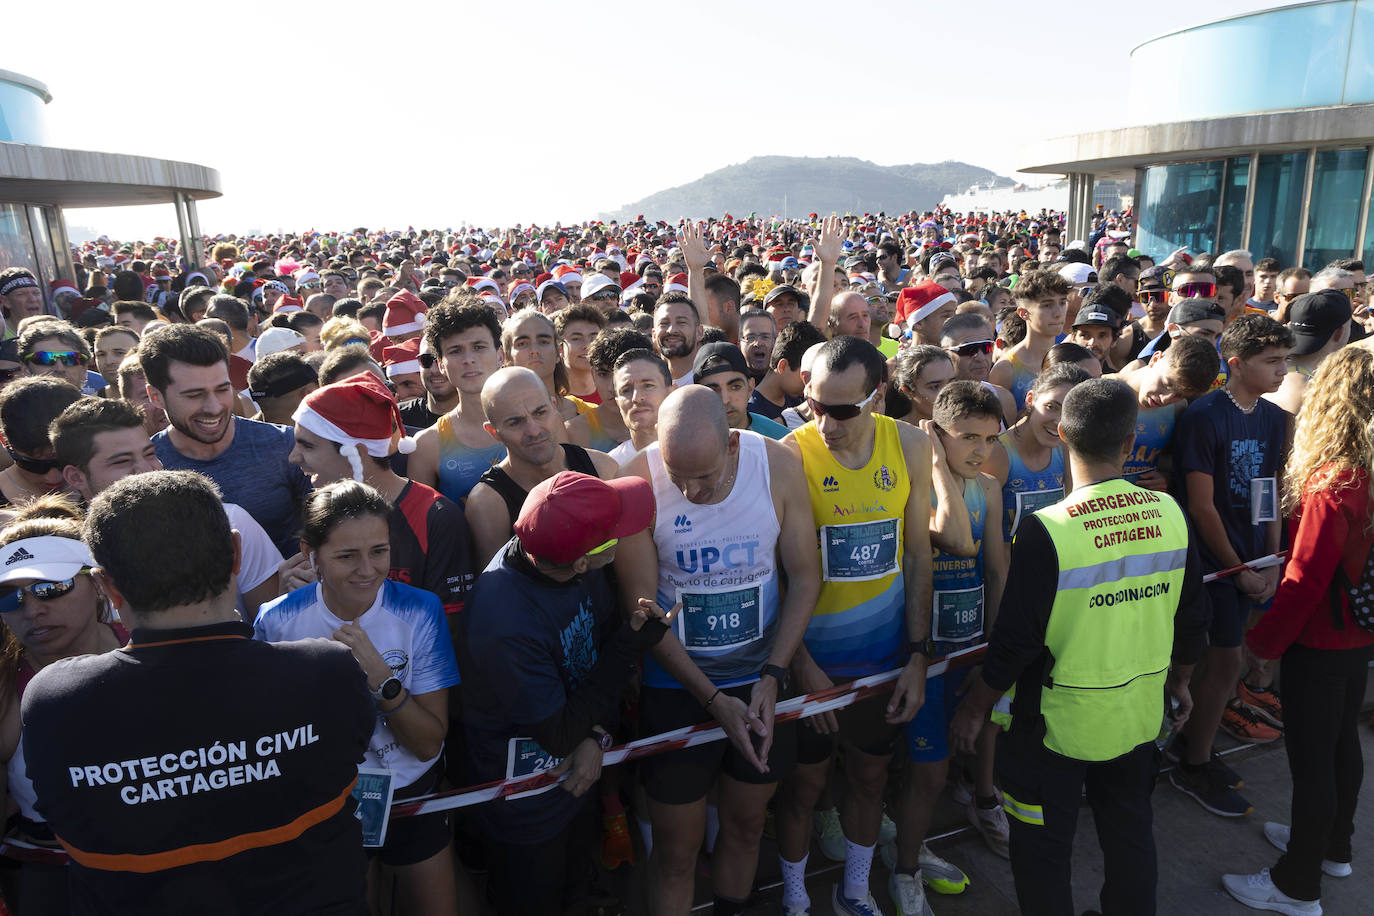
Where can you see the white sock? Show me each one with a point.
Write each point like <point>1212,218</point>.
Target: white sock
<point>858,861</point>
<point>794,883</point>
<point>646,832</point>
<point>712,827</point>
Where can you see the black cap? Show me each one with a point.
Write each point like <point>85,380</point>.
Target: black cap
<point>1156,277</point>
<point>782,289</point>
<point>279,378</point>
<point>1314,317</point>
<point>1097,313</point>
<point>1191,310</point>
<point>718,357</point>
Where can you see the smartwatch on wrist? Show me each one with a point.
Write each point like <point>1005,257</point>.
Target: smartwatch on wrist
<point>777,673</point>
<point>925,647</point>
<point>604,740</point>
<point>389,689</point>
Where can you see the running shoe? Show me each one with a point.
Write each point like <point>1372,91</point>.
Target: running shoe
<point>1278,836</point>
<point>796,910</point>
<point>908,895</point>
<point>961,791</point>
<point>1258,892</point>
<point>843,906</point>
<point>1264,702</point>
<point>1178,749</point>
<point>939,875</point>
<point>829,834</point>
<point>1205,786</point>
<point>617,848</point>
<point>887,830</point>
<point>1244,724</point>
<point>992,824</point>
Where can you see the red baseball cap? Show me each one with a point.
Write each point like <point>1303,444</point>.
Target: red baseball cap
<point>571,513</point>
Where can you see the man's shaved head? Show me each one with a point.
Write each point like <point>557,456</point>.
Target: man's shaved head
<point>507,382</point>
<point>521,414</point>
<point>696,441</point>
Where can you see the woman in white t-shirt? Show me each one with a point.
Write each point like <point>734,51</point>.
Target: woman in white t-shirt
<point>401,641</point>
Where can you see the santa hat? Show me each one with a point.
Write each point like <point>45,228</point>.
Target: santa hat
<point>481,283</point>
<point>405,313</point>
<point>517,287</point>
<point>677,283</point>
<point>62,286</point>
<point>289,304</point>
<point>566,273</point>
<point>916,303</point>
<point>356,411</point>
<point>631,290</point>
<point>402,358</point>
<point>628,278</point>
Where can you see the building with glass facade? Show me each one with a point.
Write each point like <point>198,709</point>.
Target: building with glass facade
<point>37,181</point>
<point>1277,159</point>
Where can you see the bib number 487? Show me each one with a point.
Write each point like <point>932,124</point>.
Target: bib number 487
<point>864,553</point>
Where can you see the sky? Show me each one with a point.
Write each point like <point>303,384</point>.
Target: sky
<point>344,114</point>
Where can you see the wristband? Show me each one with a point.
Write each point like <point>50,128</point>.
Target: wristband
<point>712,700</point>
<point>391,712</point>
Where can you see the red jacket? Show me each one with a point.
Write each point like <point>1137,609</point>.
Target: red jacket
<point>1331,526</point>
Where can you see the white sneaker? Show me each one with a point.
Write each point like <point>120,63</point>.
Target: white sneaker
<point>961,791</point>
<point>843,906</point>
<point>1278,836</point>
<point>887,831</point>
<point>908,894</point>
<point>1258,892</point>
<point>829,834</point>
<point>797,910</point>
<point>992,824</point>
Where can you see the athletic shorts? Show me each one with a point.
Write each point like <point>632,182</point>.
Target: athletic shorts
<point>927,735</point>
<point>685,776</point>
<point>1230,611</point>
<point>863,726</point>
<point>411,840</point>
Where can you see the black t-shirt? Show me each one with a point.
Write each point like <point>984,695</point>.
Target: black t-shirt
<point>430,545</point>
<point>415,414</point>
<point>263,823</point>
<point>574,456</point>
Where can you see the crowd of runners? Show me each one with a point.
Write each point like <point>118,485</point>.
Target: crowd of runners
<point>321,522</point>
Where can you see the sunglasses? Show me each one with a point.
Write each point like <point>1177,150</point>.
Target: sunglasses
<point>312,284</point>
<point>12,599</point>
<point>972,348</point>
<point>50,358</point>
<point>1146,296</point>
<point>603,547</point>
<point>34,465</point>
<point>1086,291</point>
<point>427,360</point>
<point>839,411</point>
<point>604,297</point>
<point>1198,290</point>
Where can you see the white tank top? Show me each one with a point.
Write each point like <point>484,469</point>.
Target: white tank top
<point>720,561</point>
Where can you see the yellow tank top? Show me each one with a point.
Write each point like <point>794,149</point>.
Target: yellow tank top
<point>600,440</point>
<point>859,626</point>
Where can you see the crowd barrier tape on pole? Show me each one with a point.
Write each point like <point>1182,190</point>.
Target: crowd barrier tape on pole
<point>803,707</point>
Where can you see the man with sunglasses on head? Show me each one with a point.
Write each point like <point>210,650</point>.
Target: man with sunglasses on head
<point>969,341</point>
<point>869,480</point>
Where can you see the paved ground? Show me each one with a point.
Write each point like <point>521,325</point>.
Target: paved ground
<point>1195,849</point>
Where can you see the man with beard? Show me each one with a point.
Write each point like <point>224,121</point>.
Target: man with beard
<point>187,370</point>
<point>677,334</point>
<point>521,415</point>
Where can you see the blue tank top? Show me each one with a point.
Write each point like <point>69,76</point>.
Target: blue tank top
<point>1027,490</point>
<point>1022,377</point>
<point>956,610</point>
<point>1154,430</point>
<point>460,467</point>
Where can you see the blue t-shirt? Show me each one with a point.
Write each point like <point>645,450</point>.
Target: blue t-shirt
<point>528,642</point>
<point>255,473</point>
<point>1213,437</point>
<point>761,405</point>
<point>766,427</point>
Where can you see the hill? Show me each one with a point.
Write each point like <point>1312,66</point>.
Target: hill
<point>794,185</point>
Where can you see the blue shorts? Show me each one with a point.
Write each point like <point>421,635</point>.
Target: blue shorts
<point>927,735</point>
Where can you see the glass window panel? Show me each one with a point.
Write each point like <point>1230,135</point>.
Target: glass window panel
<point>1233,203</point>
<point>1179,206</point>
<point>16,244</point>
<point>1333,214</point>
<point>1278,206</point>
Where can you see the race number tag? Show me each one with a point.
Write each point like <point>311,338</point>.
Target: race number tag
<point>373,794</point>
<point>524,757</point>
<point>1264,500</point>
<point>859,552</point>
<point>719,619</point>
<point>1031,500</point>
<point>957,615</point>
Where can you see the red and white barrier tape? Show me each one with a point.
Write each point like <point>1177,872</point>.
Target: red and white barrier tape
<point>1274,559</point>
<point>813,704</point>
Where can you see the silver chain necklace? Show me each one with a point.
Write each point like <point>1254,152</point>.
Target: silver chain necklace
<point>1245,410</point>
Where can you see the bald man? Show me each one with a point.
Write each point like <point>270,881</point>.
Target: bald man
<point>521,416</point>
<point>734,521</point>
<point>849,315</point>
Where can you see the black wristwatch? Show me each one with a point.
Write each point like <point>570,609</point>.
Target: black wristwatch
<point>389,690</point>
<point>777,673</point>
<point>925,647</point>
